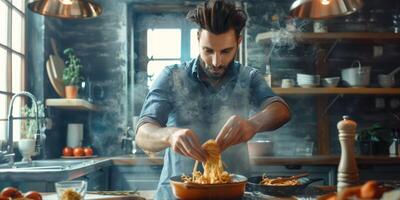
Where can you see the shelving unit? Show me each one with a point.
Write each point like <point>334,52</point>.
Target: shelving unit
<point>336,90</point>
<point>323,41</point>
<point>71,104</point>
<point>361,37</point>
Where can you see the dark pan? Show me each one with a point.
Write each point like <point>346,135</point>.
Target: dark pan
<point>193,191</point>
<point>253,185</point>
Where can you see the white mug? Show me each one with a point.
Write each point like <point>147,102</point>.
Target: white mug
<point>74,135</point>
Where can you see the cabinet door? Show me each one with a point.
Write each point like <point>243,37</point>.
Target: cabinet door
<point>97,180</point>
<point>379,172</point>
<point>135,177</point>
<point>327,173</point>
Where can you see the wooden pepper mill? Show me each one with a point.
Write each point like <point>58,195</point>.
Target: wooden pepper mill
<point>347,171</point>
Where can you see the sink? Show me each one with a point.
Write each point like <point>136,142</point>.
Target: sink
<point>51,170</point>
<point>46,165</point>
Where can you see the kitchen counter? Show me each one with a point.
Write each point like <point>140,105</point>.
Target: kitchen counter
<point>322,160</point>
<point>268,160</point>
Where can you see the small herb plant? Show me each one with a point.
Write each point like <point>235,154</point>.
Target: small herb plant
<point>374,133</point>
<point>29,126</point>
<point>72,71</point>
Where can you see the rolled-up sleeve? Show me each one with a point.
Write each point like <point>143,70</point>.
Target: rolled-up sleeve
<point>261,94</point>
<point>157,105</point>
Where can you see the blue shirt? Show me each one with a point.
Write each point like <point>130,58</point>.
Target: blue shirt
<point>179,98</point>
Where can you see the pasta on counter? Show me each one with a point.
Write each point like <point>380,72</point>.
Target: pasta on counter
<point>213,169</point>
<point>278,181</point>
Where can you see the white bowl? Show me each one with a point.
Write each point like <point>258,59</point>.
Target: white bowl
<point>307,80</point>
<point>79,187</point>
<point>330,81</point>
<point>260,148</point>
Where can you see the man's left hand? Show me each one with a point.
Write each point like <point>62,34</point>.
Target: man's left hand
<point>236,130</point>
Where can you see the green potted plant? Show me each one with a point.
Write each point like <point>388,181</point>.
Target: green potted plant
<point>26,145</point>
<point>374,140</point>
<point>72,74</point>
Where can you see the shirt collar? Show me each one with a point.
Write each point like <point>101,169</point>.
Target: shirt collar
<point>232,72</point>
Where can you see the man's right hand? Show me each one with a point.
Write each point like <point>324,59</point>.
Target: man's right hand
<point>186,142</point>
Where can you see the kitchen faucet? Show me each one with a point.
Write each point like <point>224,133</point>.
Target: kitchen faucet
<point>9,153</point>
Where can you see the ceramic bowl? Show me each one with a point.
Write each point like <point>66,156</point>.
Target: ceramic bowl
<point>330,81</point>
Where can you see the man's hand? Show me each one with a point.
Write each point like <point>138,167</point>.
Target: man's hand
<point>236,130</point>
<point>186,142</point>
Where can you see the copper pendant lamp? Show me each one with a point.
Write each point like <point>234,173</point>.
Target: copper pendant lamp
<point>323,9</point>
<point>66,9</point>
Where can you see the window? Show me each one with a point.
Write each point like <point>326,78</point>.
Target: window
<point>12,60</point>
<point>162,52</point>
<point>171,39</point>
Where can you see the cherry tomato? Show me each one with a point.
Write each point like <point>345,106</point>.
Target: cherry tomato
<point>88,151</point>
<point>78,151</point>
<point>11,192</point>
<point>68,151</point>
<point>33,195</point>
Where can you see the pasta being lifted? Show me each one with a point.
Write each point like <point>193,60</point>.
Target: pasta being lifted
<point>213,170</point>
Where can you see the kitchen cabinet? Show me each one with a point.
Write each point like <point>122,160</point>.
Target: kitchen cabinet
<point>135,177</point>
<point>97,180</point>
<point>379,172</point>
<point>322,41</point>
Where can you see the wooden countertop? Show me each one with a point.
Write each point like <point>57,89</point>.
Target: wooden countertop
<point>269,160</point>
<point>142,195</point>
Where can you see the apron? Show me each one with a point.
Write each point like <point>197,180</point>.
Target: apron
<point>205,113</point>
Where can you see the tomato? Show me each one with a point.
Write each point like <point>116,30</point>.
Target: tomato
<point>78,151</point>
<point>5,198</point>
<point>11,192</point>
<point>88,151</point>
<point>68,151</point>
<point>33,195</point>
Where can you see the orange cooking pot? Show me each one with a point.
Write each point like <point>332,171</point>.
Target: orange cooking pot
<point>194,191</point>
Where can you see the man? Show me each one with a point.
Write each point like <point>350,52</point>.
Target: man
<point>210,97</point>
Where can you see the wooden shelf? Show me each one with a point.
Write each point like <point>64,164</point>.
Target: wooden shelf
<point>337,90</point>
<point>71,104</point>
<point>362,37</point>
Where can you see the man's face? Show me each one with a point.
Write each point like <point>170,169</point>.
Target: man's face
<point>217,51</point>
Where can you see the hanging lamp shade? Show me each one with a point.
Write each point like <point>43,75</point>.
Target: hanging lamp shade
<point>323,9</point>
<point>66,9</point>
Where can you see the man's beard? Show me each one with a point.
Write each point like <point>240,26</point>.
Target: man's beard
<point>215,73</point>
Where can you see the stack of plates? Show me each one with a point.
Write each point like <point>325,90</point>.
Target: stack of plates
<point>308,80</point>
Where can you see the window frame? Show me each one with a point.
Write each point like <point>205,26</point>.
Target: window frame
<point>169,20</point>
<point>10,50</point>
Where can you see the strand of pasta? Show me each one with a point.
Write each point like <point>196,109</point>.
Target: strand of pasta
<point>213,169</point>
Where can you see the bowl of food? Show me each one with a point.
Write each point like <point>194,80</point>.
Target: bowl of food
<point>280,186</point>
<point>71,190</point>
<point>212,183</point>
<point>186,190</point>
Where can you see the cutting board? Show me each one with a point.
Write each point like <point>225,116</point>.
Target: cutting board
<point>57,84</point>
<point>53,196</point>
<point>57,63</point>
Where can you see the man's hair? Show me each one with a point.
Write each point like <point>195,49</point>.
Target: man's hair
<point>218,16</point>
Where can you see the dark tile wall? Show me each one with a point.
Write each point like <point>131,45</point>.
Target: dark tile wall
<point>103,46</point>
